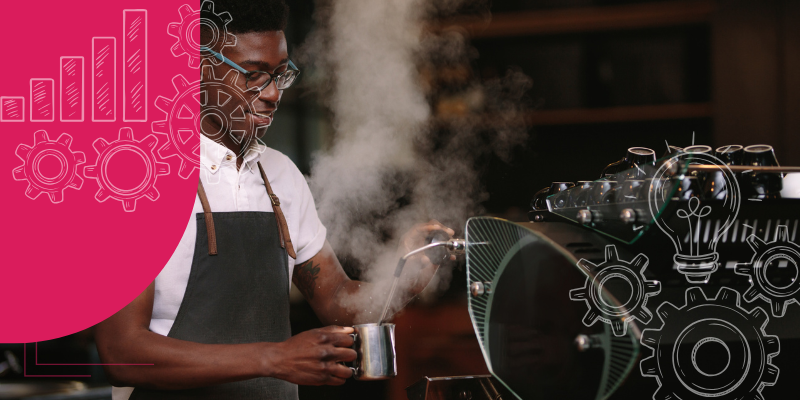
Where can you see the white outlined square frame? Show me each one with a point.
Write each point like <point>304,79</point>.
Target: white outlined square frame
<point>109,67</point>
<point>82,89</point>
<point>52,98</point>
<point>3,109</point>
<point>131,43</point>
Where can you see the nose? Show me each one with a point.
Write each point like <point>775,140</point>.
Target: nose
<point>270,93</point>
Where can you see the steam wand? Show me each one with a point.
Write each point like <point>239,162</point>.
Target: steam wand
<point>453,246</point>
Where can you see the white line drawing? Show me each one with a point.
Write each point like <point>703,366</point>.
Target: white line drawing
<point>217,99</point>
<point>134,65</point>
<point>680,363</point>
<point>12,109</point>
<point>186,30</point>
<point>771,255</point>
<point>71,93</point>
<point>42,100</point>
<point>125,143</point>
<point>698,260</point>
<point>600,308</point>
<point>45,181</point>
<point>104,79</point>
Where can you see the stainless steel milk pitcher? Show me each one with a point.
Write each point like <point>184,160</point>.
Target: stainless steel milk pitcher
<point>374,345</point>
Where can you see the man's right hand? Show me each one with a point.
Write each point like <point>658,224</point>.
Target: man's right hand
<point>312,357</point>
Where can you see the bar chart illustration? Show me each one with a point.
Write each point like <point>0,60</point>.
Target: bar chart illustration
<point>111,80</point>
<point>93,79</point>
<point>12,109</point>
<point>134,76</point>
<point>72,87</point>
<point>104,79</point>
<point>42,95</point>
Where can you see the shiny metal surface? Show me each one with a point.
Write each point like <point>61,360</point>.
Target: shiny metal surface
<point>376,354</point>
<point>476,288</point>
<point>628,216</point>
<point>584,216</point>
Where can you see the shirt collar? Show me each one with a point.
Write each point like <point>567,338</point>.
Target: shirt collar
<point>213,154</point>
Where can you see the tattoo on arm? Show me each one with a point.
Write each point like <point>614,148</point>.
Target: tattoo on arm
<point>306,277</point>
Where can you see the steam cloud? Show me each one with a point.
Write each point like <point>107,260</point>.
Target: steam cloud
<point>386,169</point>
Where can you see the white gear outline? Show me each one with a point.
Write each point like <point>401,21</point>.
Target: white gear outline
<point>760,286</point>
<point>194,101</point>
<point>67,176</point>
<point>144,149</point>
<point>617,316</point>
<point>190,20</point>
<point>702,316</point>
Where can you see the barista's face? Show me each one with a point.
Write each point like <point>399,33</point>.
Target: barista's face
<point>255,51</point>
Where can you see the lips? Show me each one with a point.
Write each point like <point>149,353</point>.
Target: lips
<point>262,118</point>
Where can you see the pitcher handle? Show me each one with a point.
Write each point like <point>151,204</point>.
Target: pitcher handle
<point>354,370</point>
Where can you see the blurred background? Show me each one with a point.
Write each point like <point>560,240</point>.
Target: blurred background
<point>606,75</point>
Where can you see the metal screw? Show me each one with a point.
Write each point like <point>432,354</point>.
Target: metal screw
<point>476,288</point>
<point>538,218</point>
<point>584,216</point>
<point>628,216</point>
<point>583,342</point>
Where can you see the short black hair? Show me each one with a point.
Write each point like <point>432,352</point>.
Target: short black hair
<point>254,15</point>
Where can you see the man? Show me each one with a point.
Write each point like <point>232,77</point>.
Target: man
<point>214,323</point>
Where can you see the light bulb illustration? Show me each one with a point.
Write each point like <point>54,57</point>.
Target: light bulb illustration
<point>708,205</point>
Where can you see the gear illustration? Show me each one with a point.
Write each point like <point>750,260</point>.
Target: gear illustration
<point>186,32</point>
<point>39,181</point>
<point>777,252</point>
<point>126,143</point>
<point>604,309</point>
<point>211,98</point>
<point>680,360</point>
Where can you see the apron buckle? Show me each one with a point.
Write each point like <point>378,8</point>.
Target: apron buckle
<point>275,200</point>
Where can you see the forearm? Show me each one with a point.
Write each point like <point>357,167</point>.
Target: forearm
<point>179,364</point>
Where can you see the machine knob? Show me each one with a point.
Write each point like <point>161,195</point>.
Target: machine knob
<point>698,149</point>
<point>761,185</point>
<point>634,157</point>
<point>731,154</point>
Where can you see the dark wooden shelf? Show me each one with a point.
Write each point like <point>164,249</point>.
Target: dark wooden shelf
<point>578,116</point>
<point>587,19</point>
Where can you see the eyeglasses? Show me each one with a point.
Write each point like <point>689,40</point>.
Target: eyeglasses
<point>259,80</point>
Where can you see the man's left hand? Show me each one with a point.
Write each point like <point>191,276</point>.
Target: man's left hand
<point>419,269</point>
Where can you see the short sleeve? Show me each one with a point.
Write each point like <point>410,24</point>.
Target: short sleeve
<point>312,232</point>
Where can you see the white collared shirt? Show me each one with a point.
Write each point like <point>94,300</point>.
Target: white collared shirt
<point>230,189</point>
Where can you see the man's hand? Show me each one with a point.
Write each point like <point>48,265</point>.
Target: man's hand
<point>312,357</point>
<point>419,269</point>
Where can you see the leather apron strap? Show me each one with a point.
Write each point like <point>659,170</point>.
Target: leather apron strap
<point>212,234</point>
<point>286,240</point>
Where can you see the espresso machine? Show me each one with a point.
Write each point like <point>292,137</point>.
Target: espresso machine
<point>668,277</point>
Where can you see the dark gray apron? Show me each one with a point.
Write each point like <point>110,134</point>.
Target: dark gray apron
<point>238,295</point>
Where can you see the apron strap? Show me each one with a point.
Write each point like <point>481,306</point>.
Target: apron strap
<point>283,228</point>
<point>212,235</point>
